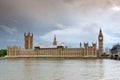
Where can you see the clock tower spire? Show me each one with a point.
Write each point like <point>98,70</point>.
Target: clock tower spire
<point>100,43</point>
<point>55,40</point>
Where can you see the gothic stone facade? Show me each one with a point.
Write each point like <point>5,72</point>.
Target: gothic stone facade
<point>28,41</point>
<point>58,51</point>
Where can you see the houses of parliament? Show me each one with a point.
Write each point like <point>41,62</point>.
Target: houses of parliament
<point>56,50</point>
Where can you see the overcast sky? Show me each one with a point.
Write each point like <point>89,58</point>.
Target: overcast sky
<point>72,21</point>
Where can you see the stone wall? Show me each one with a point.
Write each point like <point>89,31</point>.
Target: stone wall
<point>52,52</point>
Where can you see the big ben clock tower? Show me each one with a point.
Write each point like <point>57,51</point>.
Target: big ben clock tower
<point>100,42</point>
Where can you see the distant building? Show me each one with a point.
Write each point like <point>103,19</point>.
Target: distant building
<point>57,50</point>
<point>115,51</point>
<point>107,51</point>
<point>54,41</point>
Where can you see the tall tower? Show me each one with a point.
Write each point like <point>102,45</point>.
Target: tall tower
<point>28,41</point>
<point>100,42</point>
<point>55,40</point>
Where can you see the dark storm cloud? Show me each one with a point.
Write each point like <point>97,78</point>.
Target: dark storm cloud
<point>45,18</point>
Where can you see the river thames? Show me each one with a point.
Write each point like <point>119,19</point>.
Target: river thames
<point>59,69</point>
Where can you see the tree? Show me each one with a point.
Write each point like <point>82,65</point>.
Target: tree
<point>3,52</point>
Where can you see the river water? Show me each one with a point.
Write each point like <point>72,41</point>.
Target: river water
<point>59,69</point>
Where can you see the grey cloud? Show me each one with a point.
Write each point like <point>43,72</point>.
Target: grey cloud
<point>48,17</point>
<point>9,30</point>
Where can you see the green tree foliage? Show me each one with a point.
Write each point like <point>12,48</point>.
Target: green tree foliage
<point>3,52</point>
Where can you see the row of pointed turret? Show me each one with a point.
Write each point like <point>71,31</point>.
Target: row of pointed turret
<point>28,41</point>
<point>28,35</point>
<point>86,45</point>
<point>100,42</point>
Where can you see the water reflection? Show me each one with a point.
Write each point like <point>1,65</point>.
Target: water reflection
<point>27,70</point>
<point>59,69</point>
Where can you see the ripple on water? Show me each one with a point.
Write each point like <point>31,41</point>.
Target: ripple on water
<point>59,69</point>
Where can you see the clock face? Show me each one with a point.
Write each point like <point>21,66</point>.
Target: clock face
<point>100,38</point>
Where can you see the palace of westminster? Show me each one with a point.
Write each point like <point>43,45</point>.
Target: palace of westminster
<point>57,50</point>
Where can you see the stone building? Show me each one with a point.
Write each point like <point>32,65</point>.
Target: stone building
<point>56,50</point>
<point>100,43</point>
<point>12,50</point>
<point>28,41</point>
<point>54,41</point>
